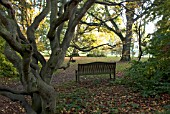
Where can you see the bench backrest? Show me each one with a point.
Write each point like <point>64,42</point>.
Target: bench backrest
<point>97,68</point>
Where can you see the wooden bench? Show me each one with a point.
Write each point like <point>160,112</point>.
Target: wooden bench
<point>96,68</point>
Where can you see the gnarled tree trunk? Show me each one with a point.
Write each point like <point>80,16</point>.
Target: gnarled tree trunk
<point>25,57</point>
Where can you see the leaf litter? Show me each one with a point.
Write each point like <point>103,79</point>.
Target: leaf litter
<point>91,96</point>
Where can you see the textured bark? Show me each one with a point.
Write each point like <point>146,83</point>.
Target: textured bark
<point>140,50</point>
<point>36,81</point>
<point>127,42</point>
<point>36,103</point>
<point>140,33</point>
<point>125,53</point>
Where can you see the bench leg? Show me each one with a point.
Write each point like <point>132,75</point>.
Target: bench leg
<point>114,75</point>
<point>76,76</point>
<point>110,76</point>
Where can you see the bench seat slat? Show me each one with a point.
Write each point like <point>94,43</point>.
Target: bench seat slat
<point>96,68</point>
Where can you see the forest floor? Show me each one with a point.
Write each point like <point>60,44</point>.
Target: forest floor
<point>93,95</point>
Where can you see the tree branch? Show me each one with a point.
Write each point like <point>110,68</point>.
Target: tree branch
<point>8,5</point>
<point>10,39</point>
<point>143,13</point>
<point>108,3</point>
<point>90,24</point>
<point>13,57</point>
<point>21,98</point>
<point>57,56</point>
<point>33,27</point>
<point>56,11</point>
<point>64,17</point>
<point>85,49</point>
<point>9,33</point>
<point>116,30</point>
<point>9,90</point>
<point>74,22</point>
<point>39,18</point>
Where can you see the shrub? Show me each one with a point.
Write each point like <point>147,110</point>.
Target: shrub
<point>91,55</point>
<point>75,55</point>
<point>101,55</point>
<point>94,55</point>
<point>149,78</point>
<point>6,68</point>
<point>152,77</point>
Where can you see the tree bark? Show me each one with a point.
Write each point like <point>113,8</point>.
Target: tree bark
<point>125,53</point>
<point>127,42</point>
<point>36,103</point>
<point>140,34</point>
<point>36,81</point>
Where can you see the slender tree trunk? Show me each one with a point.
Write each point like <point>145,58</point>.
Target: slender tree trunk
<point>75,39</point>
<point>140,49</point>
<point>140,34</point>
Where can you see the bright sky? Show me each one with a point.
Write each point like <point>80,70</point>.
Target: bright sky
<point>150,27</point>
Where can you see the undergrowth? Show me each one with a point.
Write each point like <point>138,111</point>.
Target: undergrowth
<point>151,77</point>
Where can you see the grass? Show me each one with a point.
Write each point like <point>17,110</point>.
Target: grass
<point>80,60</point>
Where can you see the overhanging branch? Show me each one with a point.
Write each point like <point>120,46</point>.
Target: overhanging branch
<point>108,3</point>
<point>116,30</point>
<point>85,49</point>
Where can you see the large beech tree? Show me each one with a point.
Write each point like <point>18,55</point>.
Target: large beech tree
<point>109,14</point>
<point>21,50</point>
